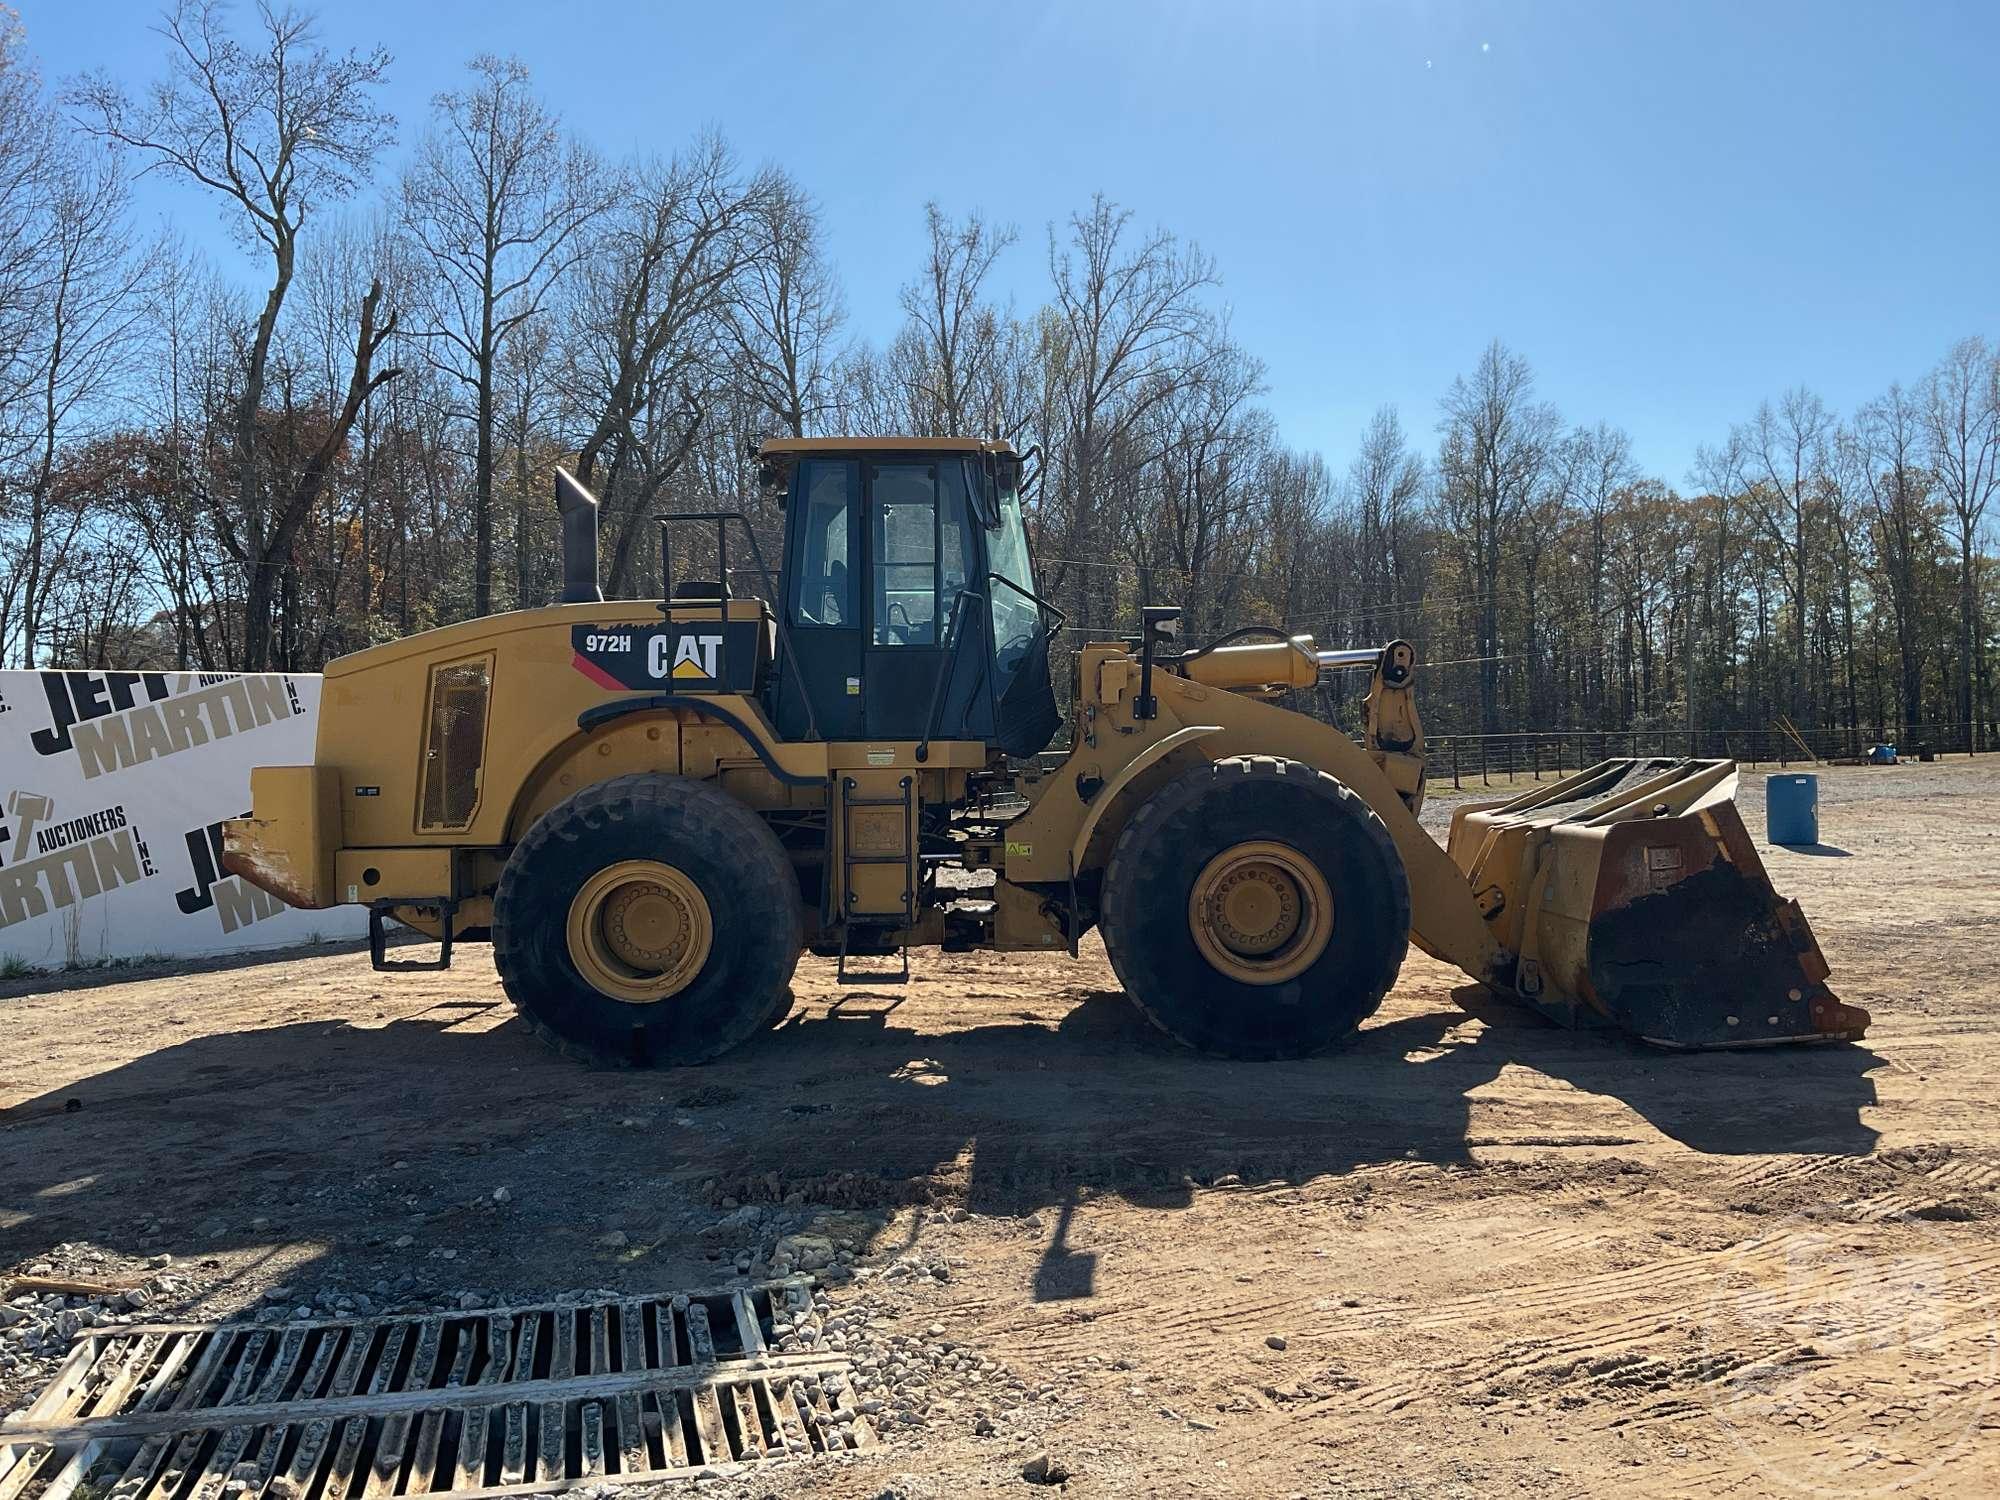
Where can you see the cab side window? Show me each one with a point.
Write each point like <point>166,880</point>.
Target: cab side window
<point>824,591</point>
<point>904,597</point>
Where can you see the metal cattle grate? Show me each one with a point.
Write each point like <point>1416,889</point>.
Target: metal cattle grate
<point>461,1404</point>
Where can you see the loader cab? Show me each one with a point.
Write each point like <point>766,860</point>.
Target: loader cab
<point>909,597</point>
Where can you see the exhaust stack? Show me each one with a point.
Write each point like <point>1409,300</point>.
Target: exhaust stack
<point>578,509</point>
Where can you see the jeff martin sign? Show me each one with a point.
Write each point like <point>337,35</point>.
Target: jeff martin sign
<point>113,789</point>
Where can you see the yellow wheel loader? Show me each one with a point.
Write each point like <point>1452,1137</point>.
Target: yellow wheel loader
<point>652,807</point>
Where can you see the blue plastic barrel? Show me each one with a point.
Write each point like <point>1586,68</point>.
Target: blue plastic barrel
<point>1791,809</point>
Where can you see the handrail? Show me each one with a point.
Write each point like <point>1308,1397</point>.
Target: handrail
<point>946,669</point>
<point>722,518</point>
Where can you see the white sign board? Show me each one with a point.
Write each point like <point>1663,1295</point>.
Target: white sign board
<point>113,788</point>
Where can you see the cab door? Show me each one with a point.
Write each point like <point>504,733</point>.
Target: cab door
<point>823,592</point>
<point>922,553</point>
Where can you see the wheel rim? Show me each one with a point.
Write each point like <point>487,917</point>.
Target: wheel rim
<point>639,931</point>
<point>1261,912</point>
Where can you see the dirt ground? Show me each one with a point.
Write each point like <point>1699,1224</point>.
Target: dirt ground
<point>1499,1257</point>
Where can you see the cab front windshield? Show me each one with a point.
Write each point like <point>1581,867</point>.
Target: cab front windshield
<point>1016,616</point>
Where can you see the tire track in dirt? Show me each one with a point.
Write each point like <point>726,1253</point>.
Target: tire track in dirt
<point>1613,1361</point>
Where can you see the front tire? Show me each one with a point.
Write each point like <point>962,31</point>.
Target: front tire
<point>648,920</point>
<point>1256,908</point>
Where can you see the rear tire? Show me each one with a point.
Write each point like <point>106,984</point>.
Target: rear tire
<point>1256,908</point>
<point>667,890</point>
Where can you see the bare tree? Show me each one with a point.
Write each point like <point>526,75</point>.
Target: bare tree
<point>280,130</point>
<point>787,308</point>
<point>652,332</point>
<point>959,336</point>
<point>1786,457</point>
<point>1597,464</point>
<point>80,343</point>
<point>1384,484</point>
<point>497,202</point>
<point>1883,460</point>
<point>31,171</point>
<point>1493,467</point>
<point>1962,411</point>
<point>1127,328</point>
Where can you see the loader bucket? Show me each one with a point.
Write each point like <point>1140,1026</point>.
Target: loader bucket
<point>1633,897</point>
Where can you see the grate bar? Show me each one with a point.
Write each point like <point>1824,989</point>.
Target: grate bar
<point>499,1403</point>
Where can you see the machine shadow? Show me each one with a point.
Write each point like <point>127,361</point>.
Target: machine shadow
<point>337,1141</point>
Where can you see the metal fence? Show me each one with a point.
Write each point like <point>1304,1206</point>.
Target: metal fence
<point>1536,754</point>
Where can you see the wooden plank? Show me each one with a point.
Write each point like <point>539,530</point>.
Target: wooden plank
<point>801,1285</point>
<point>514,1444</point>
<point>547,1466</point>
<point>385,1367</point>
<point>64,1392</point>
<point>549,1420</point>
<point>64,1286</point>
<point>266,1458</point>
<point>353,1355</point>
<point>386,1470</point>
<point>430,1431</point>
<point>72,1473</point>
<point>203,1374</point>
<point>313,1438</point>
<point>176,1355</point>
<point>701,1342</point>
<point>469,1467</point>
<point>499,1345</point>
<point>673,1432</point>
<point>28,1461</point>
<point>228,1453</point>
<point>291,1345</point>
<point>663,1330</point>
<point>708,1425</point>
<point>633,1457</point>
<point>173,1474</point>
<point>354,1434</point>
<point>340,1472</point>
<point>316,1367</point>
<point>749,1421</point>
<point>524,1355</point>
<point>109,1396</point>
<point>139,1473</point>
<point>243,1375</point>
<point>590,1426</point>
<point>747,1327</point>
<point>562,1358</point>
<point>600,1341</point>
<point>632,1335</point>
<point>377,1404</point>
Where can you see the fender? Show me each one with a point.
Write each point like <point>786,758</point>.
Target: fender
<point>1108,793</point>
<point>603,713</point>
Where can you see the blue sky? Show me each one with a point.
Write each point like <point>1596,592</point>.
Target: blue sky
<point>1673,210</point>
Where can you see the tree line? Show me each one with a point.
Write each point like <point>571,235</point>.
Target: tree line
<point>198,478</point>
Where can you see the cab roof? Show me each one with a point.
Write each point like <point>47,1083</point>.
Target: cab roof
<point>800,447</point>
